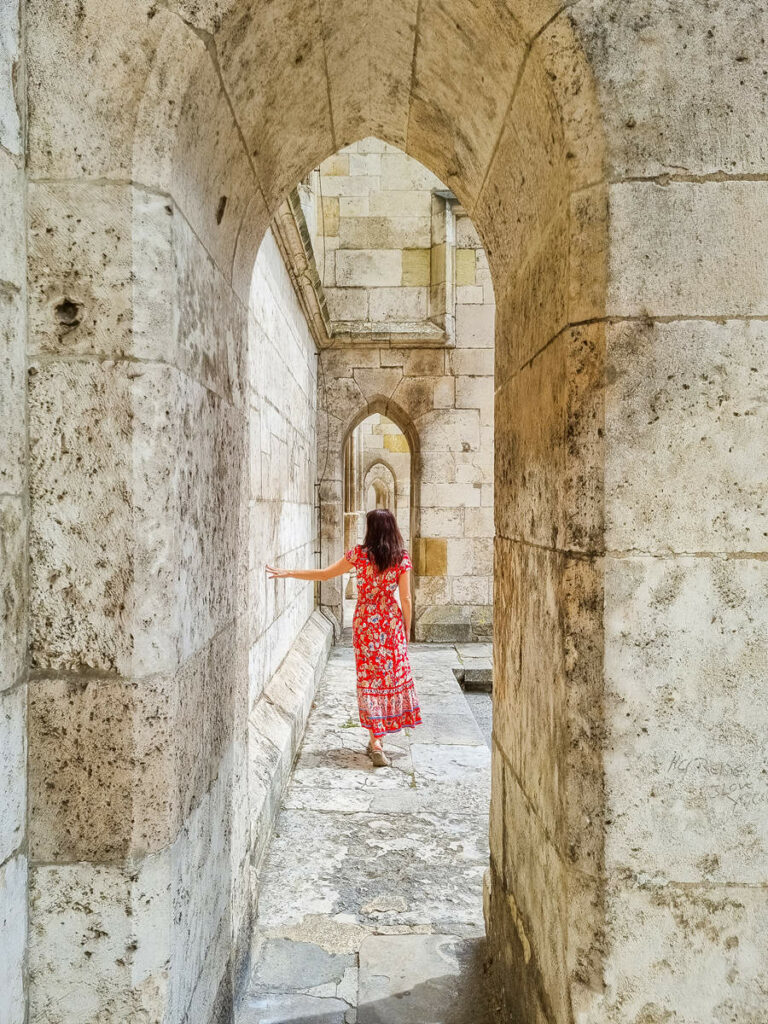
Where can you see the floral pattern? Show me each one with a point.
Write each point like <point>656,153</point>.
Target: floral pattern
<point>386,697</point>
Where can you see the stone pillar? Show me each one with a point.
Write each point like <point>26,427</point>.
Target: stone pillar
<point>139,487</point>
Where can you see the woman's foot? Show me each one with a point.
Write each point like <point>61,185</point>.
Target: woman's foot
<point>378,758</point>
<point>376,752</point>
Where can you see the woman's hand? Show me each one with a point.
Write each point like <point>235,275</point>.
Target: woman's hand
<point>278,574</point>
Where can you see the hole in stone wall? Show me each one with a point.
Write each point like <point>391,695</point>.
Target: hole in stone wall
<point>220,209</point>
<point>68,313</point>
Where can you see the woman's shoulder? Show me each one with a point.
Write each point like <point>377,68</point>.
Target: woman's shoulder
<point>405,559</point>
<point>355,553</point>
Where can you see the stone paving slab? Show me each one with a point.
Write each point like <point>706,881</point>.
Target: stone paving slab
<point>363,856</point>
<point>421,979</point>
<point>449,729</point>
<point>293,1008</point>
<point>426,867</point>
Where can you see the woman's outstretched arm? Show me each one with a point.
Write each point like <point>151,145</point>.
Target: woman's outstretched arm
<point>404,586</point>
<point>329,573</point>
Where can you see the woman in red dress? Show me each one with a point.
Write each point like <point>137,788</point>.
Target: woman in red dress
<point>386,697</point>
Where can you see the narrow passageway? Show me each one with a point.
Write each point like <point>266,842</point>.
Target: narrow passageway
<point>370,907</point>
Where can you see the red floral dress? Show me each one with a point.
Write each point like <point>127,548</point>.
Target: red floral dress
<point>386,696</point>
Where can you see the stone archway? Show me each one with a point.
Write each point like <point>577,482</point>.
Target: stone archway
<point>332,490</point>
<point>146,200</point>
<point>381,478</point>
<point>197,123</point>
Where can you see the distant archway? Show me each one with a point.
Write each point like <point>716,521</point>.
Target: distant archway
<point>381,481</point>
<point>364,470</point>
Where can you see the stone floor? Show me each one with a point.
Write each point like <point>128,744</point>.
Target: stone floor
<point>371,899</point>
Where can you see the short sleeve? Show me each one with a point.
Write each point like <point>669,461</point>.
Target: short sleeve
<point>405,564</point>
<point>353,555</point>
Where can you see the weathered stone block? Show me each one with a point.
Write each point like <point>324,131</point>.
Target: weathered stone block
<point>259,67</point>
<point>148,480</point>
<point>74,230</point>
<point>13,928</point>
<point>558,53</point>
<point>472,468</point>
<point>466,234</point>
<point>470,589</point>
<point>450,430</point>
<point>348,187</point>
<point>329,215</point>
<point>102,779</point>
<point>475,326</point>
<point>708,951</point>
<point>384,232</point>
<point>368,268</point>
<point>355,206</point>
<point>423,362</point>
<point>347,303</point>
<point>450,495</point>
<point>103,934</point>
<point>445,623</point>
<point>397,305</point>
<point>432,590</point>
<point>548,654</point>
<point>396,443</point>
<point>472,556</point>
<point>10,118</point>
<point>403,174</point>
<point>14,605</point>
<point>588,255</point>
<point>465,266</point>
<point>530,164</point>
<point>13,770</point>
<point>478,522</point>
<point>365,163</point>
<point>536,898</point>
<point>414,394</point>
<point>442,522</point>
<point>399,203</point>
<point>375,384</point>
<point>12,390</point>
<point>685,472</point>
<point>707,117</point>
<point>549,440</point>
<point>477,361</point>
<point>721,228</point>
<point>432,556</point>
<point>336,165</point>
<point>686,788</point>
<point>470,295</point>
<point>12,187</point>
<point>444,393</point>
<point>536,299</point>
<point>475,393</point>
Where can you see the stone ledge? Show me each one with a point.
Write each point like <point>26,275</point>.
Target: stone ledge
<point>276,725</point>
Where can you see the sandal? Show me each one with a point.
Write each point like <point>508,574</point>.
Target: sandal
<point>379,758</point>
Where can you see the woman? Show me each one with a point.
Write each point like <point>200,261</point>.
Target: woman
<point>386,697</point>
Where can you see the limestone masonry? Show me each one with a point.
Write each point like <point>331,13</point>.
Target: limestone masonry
<point>532,236</point>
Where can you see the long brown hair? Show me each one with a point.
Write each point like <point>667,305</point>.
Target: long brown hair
<point>383,540</point>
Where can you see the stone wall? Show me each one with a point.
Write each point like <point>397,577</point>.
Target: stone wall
<point>161,721</point>
<point>13,527</point>
<point>612,157</point>
<point>373,238</point>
